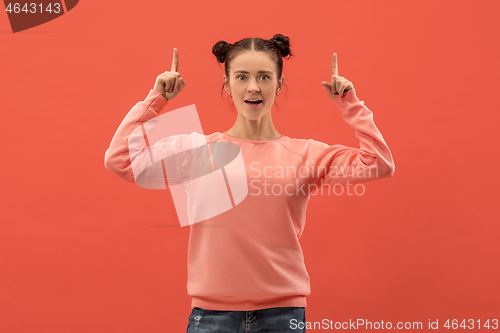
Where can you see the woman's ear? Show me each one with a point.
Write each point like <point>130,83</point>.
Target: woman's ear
<point>225,81</point>
<point>280,83</point>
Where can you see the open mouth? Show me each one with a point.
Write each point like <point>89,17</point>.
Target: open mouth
<point>253,102</point>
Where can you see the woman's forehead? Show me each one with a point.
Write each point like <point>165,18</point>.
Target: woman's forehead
<point>252,62</point>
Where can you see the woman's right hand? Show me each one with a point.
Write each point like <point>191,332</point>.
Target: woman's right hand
<point>169,84</point>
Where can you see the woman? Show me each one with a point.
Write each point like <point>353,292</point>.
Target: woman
<point>246,270</point>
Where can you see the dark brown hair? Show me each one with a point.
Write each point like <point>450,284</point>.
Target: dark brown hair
<point>278,47</point>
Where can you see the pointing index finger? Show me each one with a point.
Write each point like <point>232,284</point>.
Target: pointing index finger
<point>175,61</point>
<point>335,70</point>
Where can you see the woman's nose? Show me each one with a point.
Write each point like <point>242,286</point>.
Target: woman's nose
<point>253,86</point>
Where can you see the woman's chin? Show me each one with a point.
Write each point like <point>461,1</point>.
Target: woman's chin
<point>253,112</point>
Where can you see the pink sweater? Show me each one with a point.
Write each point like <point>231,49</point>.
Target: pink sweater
<point>249,257</point>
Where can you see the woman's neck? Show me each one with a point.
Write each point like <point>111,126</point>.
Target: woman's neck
<point>253,133</point>
<point>259,129</point>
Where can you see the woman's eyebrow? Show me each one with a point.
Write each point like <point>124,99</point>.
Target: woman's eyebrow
<point>268,72</point>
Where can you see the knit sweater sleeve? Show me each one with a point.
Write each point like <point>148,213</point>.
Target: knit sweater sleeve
<point>339,164</point>
<point>129,142</point>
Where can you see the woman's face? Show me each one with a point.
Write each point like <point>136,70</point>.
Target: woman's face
<point>253,76</point>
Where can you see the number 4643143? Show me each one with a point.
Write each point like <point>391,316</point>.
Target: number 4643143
<point>33,7</point>
<point>470,324</point>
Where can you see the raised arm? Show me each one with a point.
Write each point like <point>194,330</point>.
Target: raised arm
<point>338,164</point>
<point>128,141</point>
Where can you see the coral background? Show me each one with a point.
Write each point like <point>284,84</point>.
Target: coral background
<point>81,250</point>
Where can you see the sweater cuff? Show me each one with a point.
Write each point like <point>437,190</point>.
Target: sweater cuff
<point>158,102</point>
<point>345,100</point>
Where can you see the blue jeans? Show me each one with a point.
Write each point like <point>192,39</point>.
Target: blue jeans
<point>281,319</point>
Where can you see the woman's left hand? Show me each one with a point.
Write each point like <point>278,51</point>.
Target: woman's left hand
<point>338,84</point>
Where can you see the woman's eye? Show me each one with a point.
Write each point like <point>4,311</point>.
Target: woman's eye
<point>241,76</point>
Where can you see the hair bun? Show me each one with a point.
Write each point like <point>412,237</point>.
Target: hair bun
<point>220,50</point>
<point>283,44</point>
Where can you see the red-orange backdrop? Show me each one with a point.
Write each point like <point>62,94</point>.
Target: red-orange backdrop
<point>81,250</point>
